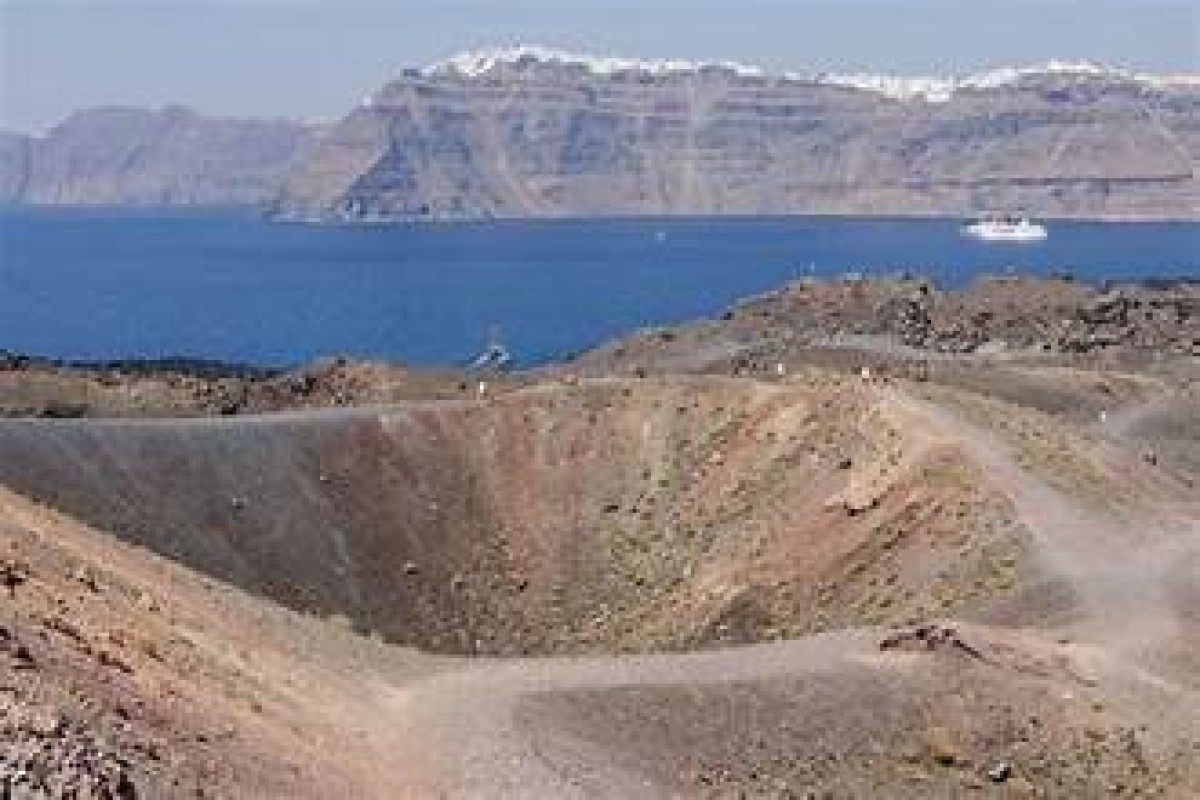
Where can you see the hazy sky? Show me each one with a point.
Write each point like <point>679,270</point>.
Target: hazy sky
<point>315,58</point>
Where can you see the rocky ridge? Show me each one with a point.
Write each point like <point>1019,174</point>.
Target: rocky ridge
<point>928,88</point>
<point>167,157</point>
<point>907,320</point>
<point>537,132</point>
<point>35,387</point>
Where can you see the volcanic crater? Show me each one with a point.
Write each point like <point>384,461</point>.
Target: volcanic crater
<point>602,516</point>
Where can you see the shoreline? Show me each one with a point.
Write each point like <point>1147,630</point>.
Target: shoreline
<point>852,321</point>
<point>199,366</point>
<point>265,214</point>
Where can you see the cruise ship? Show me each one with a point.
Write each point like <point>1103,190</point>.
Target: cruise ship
<point>1006,229</point>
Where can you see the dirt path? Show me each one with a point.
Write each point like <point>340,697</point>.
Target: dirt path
<point>470,717</point>
<point>1124,574</point>
<point>1118,424</point>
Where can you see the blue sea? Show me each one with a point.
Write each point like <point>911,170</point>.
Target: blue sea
<point>102,284</point>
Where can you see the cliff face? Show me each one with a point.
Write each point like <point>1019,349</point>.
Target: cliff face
<point>534,135</point>
<point>129,156</point>
<point>14,161</point>
<point>530,132</point>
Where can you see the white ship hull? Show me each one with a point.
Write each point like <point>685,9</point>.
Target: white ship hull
<point>1023,231</point>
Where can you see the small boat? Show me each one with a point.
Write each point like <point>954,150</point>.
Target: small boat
<point>1005,229</point>
<point>495,356</point>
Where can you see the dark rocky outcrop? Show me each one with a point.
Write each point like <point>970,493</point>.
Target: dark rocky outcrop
<point>876,323</point>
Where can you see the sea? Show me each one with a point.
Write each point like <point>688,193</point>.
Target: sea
<point>100,284</point>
